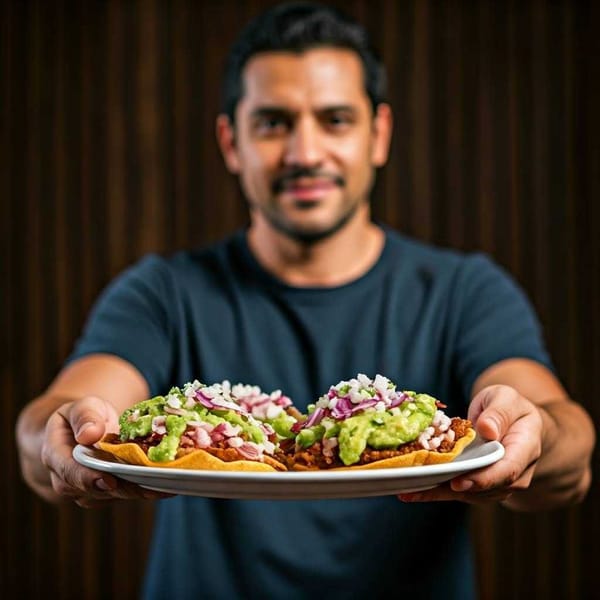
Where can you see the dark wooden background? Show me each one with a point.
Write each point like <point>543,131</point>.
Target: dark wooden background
<point>107,152</point>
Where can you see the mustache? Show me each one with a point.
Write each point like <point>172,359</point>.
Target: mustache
<point>280,183</point>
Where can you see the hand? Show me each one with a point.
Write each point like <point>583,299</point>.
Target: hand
<point>497,412</point>
<point>84,422</point>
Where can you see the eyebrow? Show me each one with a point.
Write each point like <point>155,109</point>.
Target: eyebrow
<point>270,111</point>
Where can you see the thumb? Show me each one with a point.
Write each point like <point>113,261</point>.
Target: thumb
<point>88,418</point>
<point>488,426</point>
<point>493,411</point>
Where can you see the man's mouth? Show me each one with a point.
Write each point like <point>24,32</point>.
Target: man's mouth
<point>307,185</point>
<point>304,189</point>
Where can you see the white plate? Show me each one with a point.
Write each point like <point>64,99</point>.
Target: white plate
<point>304,485</point>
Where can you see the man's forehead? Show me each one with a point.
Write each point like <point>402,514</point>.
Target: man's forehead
<point>319,76</point>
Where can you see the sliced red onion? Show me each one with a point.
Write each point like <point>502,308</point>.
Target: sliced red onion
<point>364,405</point>
<point>342,409</point>
<point>216,403</point>
<point>255,400</point>
<point>227,429</point>
<point>250,451</point>
<point>399,399</point>
<point>202,438</point>
<point>266,429</point>
<point>204,400</point>
<point>221,403</point>
<point>283,401</point>
<point>313,419</point>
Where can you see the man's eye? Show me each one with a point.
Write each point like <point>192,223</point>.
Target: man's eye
<point>338,120</point>
<point>270,125</point>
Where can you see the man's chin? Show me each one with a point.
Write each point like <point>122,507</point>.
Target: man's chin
<point>306,234</point>
<point>307,237</point>
<point>308,226</point>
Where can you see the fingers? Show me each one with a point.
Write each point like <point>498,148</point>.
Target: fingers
<point>499,413</point>
<point>504,475</point>
<point>444,493</point>
<point>87,502</point>
<point>90,418</point>
<point>494,491</point>
<point>495,409</point>
<point>68,477</point>
<point>84,421</point>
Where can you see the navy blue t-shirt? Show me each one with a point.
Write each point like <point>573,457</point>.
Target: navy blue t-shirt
<point>429,319</point>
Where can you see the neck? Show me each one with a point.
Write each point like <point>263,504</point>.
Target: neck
<point>341,258</point>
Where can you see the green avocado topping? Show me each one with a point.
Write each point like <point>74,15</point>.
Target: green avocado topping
<point>167,448</point>
<point>377,429</point>
<point>136,422</point>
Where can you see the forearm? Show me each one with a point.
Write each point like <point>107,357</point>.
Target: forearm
<point>563,472</point>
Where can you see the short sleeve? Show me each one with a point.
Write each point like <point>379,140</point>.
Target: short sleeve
<point>496,321</point>
<point>130,320</point>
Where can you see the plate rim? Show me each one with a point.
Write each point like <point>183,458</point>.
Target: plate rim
<point>494,451</point>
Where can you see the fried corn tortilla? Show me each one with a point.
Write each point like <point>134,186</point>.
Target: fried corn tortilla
<point>352,417</point>
<point>133,454</point>
<point>367,423</point>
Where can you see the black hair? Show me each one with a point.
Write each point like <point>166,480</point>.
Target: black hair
<point>297,27</point>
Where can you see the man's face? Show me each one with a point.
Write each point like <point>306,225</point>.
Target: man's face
<point>305,142</point>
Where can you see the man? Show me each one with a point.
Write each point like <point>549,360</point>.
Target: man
<point>311,293</point>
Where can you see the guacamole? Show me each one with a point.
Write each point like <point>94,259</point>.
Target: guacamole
<point>378,429</point>
<point>213,409</point>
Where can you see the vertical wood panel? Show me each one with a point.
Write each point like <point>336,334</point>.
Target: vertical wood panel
<point>116,165</point>
<point>108,152</point>
<point>513,148</point>
<point>8,502</point>
<point>451,206</point>
<point>149,132</point>
<point>421,133</point>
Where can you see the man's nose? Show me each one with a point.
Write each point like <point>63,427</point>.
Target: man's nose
<point>305,145</point>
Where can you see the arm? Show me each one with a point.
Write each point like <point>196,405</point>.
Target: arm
<point>547,437</point>
<point>82,403</point>
<point>561,474</point>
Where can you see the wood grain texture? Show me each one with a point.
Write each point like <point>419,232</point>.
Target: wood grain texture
<point>107,152</point>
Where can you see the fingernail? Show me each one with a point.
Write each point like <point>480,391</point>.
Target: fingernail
<point>463,486</point>
<point>494,428</point>
<point>410,497</point>
<point>102,485</point>
<point>84,427</point>
<point>150,494</point>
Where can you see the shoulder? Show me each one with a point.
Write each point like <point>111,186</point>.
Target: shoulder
<point>420,252</point>
<point>456,278</point>
<point>163,272</point>
<point>438,262</point>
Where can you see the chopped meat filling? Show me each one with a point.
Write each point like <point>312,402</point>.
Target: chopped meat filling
<point>220,449</point>
<point>312,458</point>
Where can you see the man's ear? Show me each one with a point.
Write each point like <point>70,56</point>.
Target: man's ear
<point>382,134</point>
<point>226,140</point>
